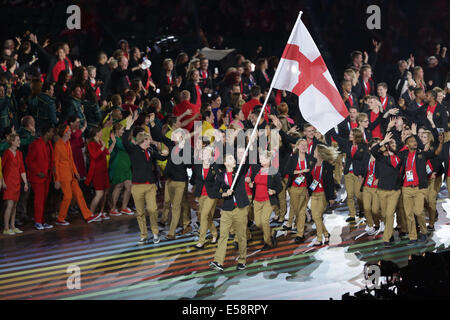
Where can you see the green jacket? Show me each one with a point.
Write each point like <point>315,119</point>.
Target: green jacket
<point>43,109</point>
<point>74,107</point>
<point>5,104</point>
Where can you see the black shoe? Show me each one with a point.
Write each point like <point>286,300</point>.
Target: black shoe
<point>286,228</point>
<point>235,245</point>
<point>361,214</point>
<point>299,239</point>
<point>241,266</point>
<point>161,225</point>
<point>423,238</point>
<point>403,235</point>
<point>274,240</point>
<point>326,240</point>
<point>412,242</point>
<point>387,244</point>
<point>266,247</point>
<point>430,228</point>
<point>317,244</point>
<point>350,219</point>
<point>231,236</point>
<point>199,247</point>
<point>215,266</point>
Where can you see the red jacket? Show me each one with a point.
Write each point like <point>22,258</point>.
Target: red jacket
<point>181,108</point>
<point>59,66</point>
<point>39,159</point>
<point>247,107</point>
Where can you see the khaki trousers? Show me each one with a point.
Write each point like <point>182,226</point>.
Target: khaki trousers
<point>166,207</point>
<point>144,196</point>
<point>434,185</point>
<point>400,215</point>
<point>299,201</point>
<point>318,206</point>
<point>238,219</point>
<point>281,209</point>
<point>388,203</point>
<point>207,207</point>
<point>176,193</point>
<point>413,201</point>
<point>250,217</point>
<point>371,204</point>
<point>352,186</point>
<point>262,211</point>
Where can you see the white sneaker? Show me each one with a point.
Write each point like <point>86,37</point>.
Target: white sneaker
<point>105,216</point>
<point>371,231</point>
<point>156,239</point>
<point>381,227</point>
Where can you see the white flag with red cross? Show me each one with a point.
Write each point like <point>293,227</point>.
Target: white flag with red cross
<point>303,72</point>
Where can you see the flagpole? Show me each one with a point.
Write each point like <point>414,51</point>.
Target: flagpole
<point>263,107</point>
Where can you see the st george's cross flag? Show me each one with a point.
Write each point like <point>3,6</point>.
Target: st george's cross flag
<point>303,72</point>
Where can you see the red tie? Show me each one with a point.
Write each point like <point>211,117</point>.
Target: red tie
<point>351,100</point>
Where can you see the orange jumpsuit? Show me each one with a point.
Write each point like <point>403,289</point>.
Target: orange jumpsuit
<point>65,171</point>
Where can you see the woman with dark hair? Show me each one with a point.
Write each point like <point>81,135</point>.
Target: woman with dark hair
<point>355,149</point>
<point>62,85</point>
<point>181,64</point>
<point>261,76</point>
<point>98,170</point>
<point>77,144</point>
<point>192,85</point>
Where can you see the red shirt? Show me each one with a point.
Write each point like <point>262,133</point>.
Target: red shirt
<point>354,149</point>
<point>261,192</point>
<point>367,88</point>
<point>353,125</point>
<point>384,102</point>
<point>370,171</point>
<point>229,182</point>
<point>317,175</point>
<point>411,166</point>
<point>205,174</point>
<point>310,145</point>
<point>301,165</point>
<point>431,108</point>
<point>247,188</point>
<point>181,108</point>
<point>394,160</point>
<point>247,107</point>
<point>130,107</point>
<point>198,103</point>
<point>376,132</point>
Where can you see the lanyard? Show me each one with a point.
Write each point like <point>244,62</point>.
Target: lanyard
<point>320,175</point>
<point>228,184</point>
<point>412,163</point>
<point>310,147</point>
<point>373,170</point>
<point>300,164</point>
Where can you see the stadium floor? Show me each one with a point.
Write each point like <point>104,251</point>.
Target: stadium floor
<point>36,264</point>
